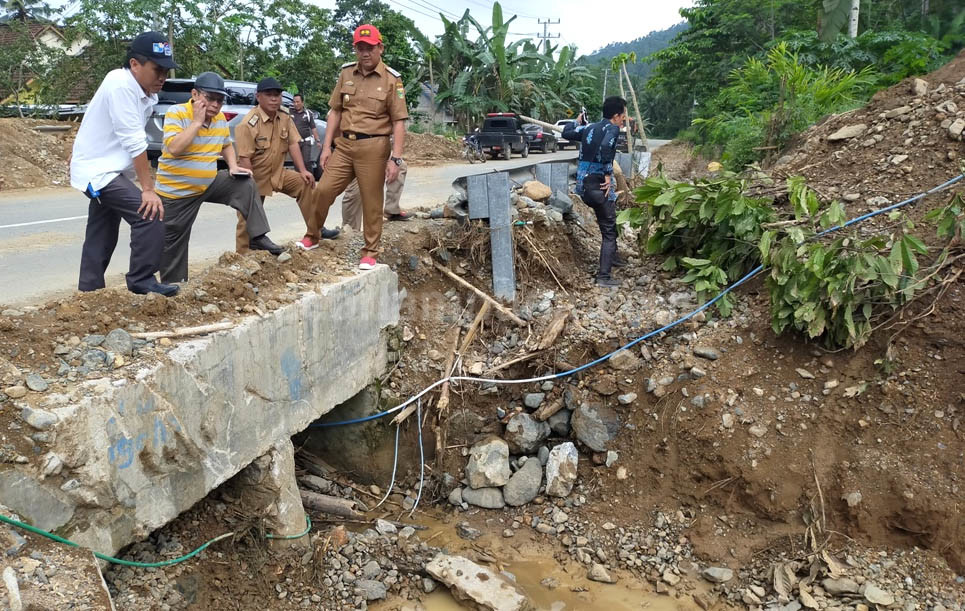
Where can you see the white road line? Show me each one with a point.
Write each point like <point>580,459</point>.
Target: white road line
<point>66,218</point>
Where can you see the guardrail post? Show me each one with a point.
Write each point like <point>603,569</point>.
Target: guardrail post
<point>489,198</point>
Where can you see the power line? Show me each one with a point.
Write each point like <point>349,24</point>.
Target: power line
<point>415,10</point>
<point>490,7</point>
<point>432,6</point>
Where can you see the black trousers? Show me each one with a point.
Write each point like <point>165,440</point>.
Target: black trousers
<point>180,214</point>
<point>120,199</point>
<point>606,218</point>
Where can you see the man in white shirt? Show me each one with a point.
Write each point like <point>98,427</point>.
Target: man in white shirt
<point>110,152</point>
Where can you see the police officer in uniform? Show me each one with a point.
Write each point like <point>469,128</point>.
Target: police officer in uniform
<point>305,124</point>
<point>367,109</point>
<point>263,138</point>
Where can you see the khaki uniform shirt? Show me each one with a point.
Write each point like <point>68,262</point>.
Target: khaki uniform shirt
<point>265,141</point>
<point>369,104</point>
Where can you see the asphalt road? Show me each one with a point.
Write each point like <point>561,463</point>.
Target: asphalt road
<point>42,230</point>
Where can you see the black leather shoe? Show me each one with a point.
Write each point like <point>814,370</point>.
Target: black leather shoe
<point>402,216</point>
<point>168,290</point>
<point>608,282</point>
<point>262,242</point>
<point>329,234</point>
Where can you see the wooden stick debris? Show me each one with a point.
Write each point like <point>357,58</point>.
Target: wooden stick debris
<point>185,331</point>
<point>474,327</point>
<point>499,307</point>
<point>401,416</point>
<point>521,359</point>
<point>548,409</point>
<point>553,330</point>
<point>330,505</point>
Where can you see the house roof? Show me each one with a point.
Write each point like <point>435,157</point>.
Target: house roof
<point>34,28</point>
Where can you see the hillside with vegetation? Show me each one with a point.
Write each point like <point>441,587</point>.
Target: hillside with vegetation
<point>746,76</point>
<point>642,47</point>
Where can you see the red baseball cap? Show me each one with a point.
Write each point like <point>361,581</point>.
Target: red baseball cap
<point>367,33</point>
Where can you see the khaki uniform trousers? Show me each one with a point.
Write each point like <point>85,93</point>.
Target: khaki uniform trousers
<point>293,186</point>
<point>352,199</point>
<point>365,160</point>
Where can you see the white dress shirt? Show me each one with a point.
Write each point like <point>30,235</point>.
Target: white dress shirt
<point>112,132</point>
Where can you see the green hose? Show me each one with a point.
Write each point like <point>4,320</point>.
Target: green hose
<point>143,565</point>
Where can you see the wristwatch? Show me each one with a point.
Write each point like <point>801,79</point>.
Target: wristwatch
<point>396,160</point>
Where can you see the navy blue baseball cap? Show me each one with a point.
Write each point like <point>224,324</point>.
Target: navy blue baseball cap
<point>268,84</point>
<point>155,47</point>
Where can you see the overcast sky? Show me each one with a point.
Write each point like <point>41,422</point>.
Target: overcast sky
<point>588,25</point>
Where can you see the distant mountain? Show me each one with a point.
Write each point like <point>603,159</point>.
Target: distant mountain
<point>643,46</point>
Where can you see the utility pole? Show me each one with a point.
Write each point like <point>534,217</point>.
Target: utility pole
<point>546,31</point>
<point>606,73</point>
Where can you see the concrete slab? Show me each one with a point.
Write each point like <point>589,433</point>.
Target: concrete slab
<point>136,453</point>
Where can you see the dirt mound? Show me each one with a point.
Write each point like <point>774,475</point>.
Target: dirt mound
<point>906,140</point>
<point>30,158</point>
<point>679,161</point>
<point>429,147</point>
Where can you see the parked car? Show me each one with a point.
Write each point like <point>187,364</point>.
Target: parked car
<point>560,140</point>
<point>540,139</point>
<point>241,99</point>
<point>502,135</point>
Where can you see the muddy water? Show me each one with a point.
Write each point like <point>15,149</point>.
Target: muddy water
<point>531,561</point>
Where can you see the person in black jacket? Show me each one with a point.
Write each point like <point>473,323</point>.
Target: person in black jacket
<point>594,177</point>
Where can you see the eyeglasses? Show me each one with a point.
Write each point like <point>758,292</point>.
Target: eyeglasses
<point>213,98</point>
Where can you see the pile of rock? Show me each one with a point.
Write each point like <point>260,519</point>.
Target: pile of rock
<point>906,140</point>
<point>533,202</point>
<point>861,580</point>
<point>490,481</point>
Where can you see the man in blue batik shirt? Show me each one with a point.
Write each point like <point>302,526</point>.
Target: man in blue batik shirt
<point>594,177</point>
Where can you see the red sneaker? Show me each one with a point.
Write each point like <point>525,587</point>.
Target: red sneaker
<point>367,263</point>
<point>307,243</point>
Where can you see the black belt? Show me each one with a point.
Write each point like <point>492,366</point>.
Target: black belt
<point>357,136</point>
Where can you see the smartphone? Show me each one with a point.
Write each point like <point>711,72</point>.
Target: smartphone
<point>240,175</point>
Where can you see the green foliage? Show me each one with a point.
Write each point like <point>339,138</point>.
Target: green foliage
<point>30,68</point>
<point>898,38</point>
<point>950,219</point>
<point>836,288</point>
<point>477,72</point>
<point>833,286</point>
<point>768,101</point>
<point>835,15</point>
<point>894,54</point>
<point>709,227</point>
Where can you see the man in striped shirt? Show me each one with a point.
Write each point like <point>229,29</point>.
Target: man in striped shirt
<point>195,135</point>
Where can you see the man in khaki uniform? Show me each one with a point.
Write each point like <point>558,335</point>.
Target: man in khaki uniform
<point>367,108</point>
<point>263,138</point>
<point>352,201</point>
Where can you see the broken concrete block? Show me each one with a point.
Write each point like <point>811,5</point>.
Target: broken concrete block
<point>477,584</point>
